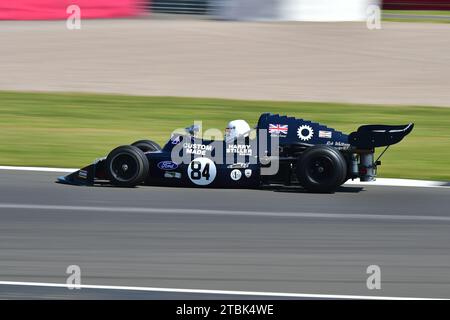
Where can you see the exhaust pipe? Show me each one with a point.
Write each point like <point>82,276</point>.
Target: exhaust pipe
<point>367,167</point>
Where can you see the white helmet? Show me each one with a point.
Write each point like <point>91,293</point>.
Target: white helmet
<point>236,129</point>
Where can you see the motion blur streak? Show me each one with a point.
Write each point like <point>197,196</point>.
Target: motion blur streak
<point>316,215</point>
<point>324,62</point>
<point>56,9</point>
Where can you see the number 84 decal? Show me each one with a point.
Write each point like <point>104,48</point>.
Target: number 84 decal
<point>202,171</point>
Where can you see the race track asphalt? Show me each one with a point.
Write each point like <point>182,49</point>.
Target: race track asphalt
<point>277,240</point>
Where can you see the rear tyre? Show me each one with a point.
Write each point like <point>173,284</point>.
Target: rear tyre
<point>127,166</point>
<point>321,169</point>
<point>147,145</point>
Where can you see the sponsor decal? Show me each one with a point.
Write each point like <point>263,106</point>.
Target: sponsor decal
<point>171,174</point>
<point>198,149</point>
<point>240,149</point>
<point>202,171</point>
<point>248,173</point>
<point>325,134</point>
<point>239,165</point>
<point>167,165</point>
<point>305,133</point>
<point>338,144</point>
<point>236,174</point>
<point>83,174</point>
<point>278,130</point>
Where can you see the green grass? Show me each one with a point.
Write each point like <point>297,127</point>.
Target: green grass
<point>433,16</point>
<point>420,12</point>
<point>71,130</point>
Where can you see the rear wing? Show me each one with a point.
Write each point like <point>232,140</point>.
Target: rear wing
<point>372,136</point>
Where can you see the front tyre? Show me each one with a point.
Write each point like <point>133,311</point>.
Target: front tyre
<point>321,169</point>
<point>127,166</point>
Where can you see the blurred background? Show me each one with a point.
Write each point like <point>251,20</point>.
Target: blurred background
<point>297,10</point>
<point>139,69</point>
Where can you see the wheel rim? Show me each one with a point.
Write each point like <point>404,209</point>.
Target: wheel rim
<point>124,167</point>
<point>321,170</point>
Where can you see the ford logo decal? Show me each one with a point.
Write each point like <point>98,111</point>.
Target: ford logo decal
<point>167,165</point>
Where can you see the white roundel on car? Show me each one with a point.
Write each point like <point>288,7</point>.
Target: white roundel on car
<point>202,171</point>
<point>236,174</point>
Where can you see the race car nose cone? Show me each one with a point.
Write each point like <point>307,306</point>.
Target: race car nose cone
<point>124,167</point>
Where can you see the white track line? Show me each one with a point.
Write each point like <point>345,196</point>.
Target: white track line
<point>38,169</point>
<point>400,183</point>
<point>314,215</point>
<point>379,181</point>
<point>206,291</point>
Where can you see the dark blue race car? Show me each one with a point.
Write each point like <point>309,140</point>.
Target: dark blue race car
<point>280,150</point>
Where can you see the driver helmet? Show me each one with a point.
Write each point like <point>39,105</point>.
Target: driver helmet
<point>236,129</point>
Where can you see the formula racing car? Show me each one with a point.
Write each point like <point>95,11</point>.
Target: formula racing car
<point>280,150</point>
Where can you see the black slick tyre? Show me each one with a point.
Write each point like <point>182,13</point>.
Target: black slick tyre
<point>147,145</point>
<point>321,169</point>
<point>127,166</point>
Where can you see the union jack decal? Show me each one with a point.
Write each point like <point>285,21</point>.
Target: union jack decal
<point>278,129</point>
